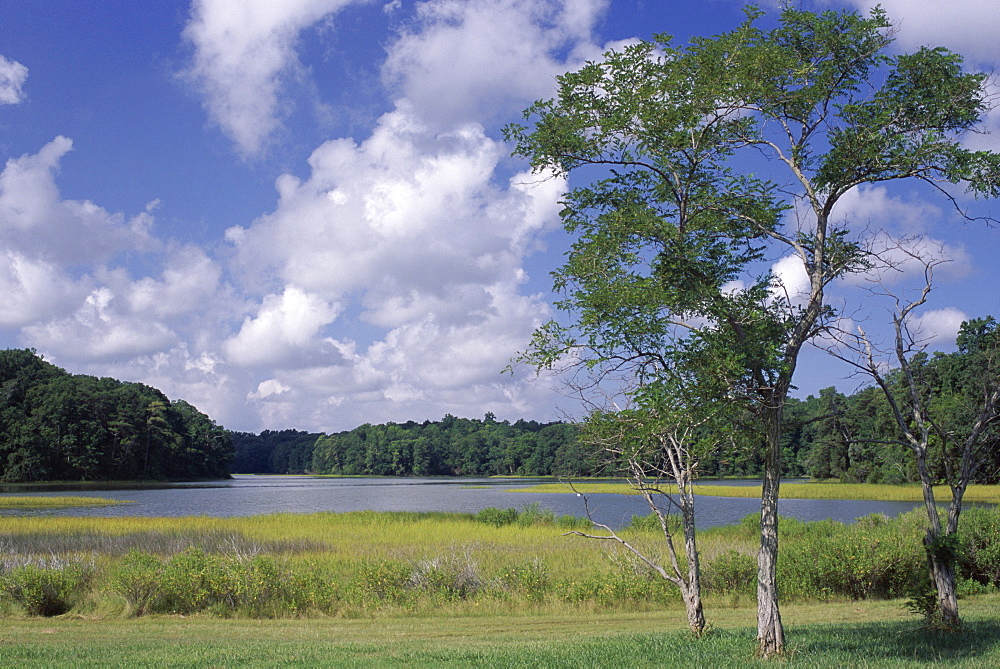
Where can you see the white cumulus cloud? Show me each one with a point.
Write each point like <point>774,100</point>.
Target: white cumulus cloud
<point>464,61</point>
<point>243,54</point>
<point>285,327</point>
<point>938,327</point>
<point>12,77</point>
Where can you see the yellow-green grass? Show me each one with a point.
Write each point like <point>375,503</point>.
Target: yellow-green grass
<point>871,634</point>
<point>25,502</point>
<point>340,541</point>
<point>858,491</point>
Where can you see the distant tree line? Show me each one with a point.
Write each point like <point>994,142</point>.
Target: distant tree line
<point>56,426</point>
<point>853,438</point>
<point>452,446</point>
<point>856,438</point>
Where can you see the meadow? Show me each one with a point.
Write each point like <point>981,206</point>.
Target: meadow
<point>504,587</point>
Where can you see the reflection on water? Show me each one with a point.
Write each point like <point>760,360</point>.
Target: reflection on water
<point>246,495</point>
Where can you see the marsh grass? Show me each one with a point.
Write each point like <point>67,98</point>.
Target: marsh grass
<point>365,564</point>
<point>29,502</point>
<point>816,490</point>
<point>155,542</point>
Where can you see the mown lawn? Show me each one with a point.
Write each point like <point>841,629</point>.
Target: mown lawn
<point>856,634</point>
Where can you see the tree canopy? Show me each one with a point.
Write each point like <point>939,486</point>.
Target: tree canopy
<point>60,426</point>
<point>699,164</point>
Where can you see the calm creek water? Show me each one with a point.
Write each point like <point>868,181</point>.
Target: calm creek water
<point>247,495</point>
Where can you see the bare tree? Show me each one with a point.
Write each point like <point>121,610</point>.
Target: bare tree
<point>912,400</point>
<point>660,447</point>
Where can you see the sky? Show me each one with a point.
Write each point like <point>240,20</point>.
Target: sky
<point>302,213</point>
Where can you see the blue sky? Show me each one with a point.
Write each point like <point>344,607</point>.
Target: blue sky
<point>301,213</point>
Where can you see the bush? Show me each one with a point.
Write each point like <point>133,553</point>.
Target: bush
<point>449,577</point>
<point>378,583</point>
<point>534,514</point>
<point>46,589</point>
<point>137,578</point>
<point>497,517</point>
<point>530,578</point>
<point>731,572</point>
<point>979,559</point>
<point>618,588</point>
<point>190,581</point>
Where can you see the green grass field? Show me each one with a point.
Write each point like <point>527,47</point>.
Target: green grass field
<point>871,634</point>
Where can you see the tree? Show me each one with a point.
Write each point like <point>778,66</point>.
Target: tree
<point>953,409</point>
<point>706,160</point>
<point>660,443</point>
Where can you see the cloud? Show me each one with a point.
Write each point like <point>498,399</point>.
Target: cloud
<point>34,290</point>
<point>415,235</point>
<point>968,28</point>
<point>965,27</point>
<point>938,327</point>
<point>101,329</point>
<point>244,54</point>
<point>35,219</point>
<point>792,282</point>
<point>285,328</point>
<point>898,231</point>
<point>463,61</point>
<point>408,215</point>
<point>12,77</point>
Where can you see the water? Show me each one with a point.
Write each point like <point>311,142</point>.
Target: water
<point>247,495</point>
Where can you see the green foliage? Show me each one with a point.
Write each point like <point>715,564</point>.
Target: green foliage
<point>58,426</point>
<point>274,452</point>
<point>874,558</point>
<point>497,517</point>
<point>454,446</point>
<point>626,585</point>
<point>46,589</point>
<point>530,514</point>
<point>192,580</point>
<point>731,572</point>
<point>137,578</point>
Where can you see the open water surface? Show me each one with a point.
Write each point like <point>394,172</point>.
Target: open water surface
<point>247,495</point>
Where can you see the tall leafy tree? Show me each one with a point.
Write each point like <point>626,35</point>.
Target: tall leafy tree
<point>701,161</point>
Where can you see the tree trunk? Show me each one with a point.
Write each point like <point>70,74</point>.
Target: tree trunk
<point>692,604</point>
<point>941,560</point>
<point>770,633</point>
<point>940,554</point>
<point>692,591</point>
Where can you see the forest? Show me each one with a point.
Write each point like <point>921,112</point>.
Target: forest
<point>449,447</point>
<point>59,426</point>
<point>56,426</point>
<point>853,438</point>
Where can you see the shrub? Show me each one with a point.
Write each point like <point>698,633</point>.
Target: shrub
<point>46,589</point>
<point>730,572</point>
<point>497,517</point>
<point>449,577</point>
<point>137,578</point>
<point>378,583</point>
<point>529,578</point>
<point>534,514</point>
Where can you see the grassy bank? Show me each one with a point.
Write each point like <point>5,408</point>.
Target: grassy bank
<point>869,634</point>
<point>29,502</point>
<point>501,587</point>
<point>818,490</point>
